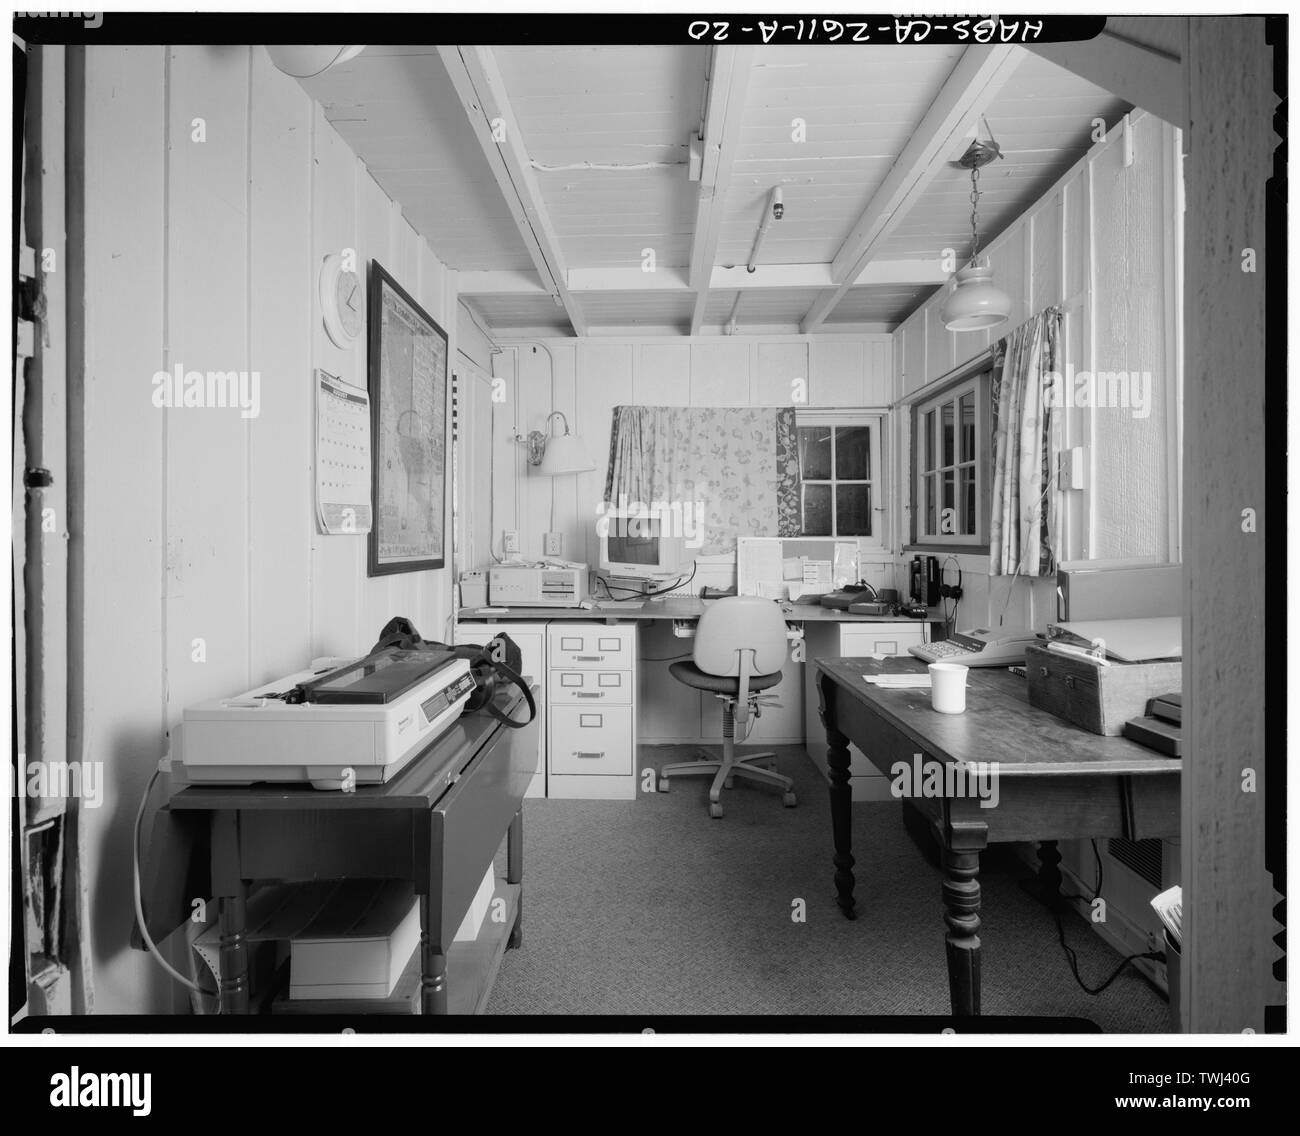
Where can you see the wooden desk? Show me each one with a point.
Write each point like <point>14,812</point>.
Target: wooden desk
<point>1054,782</point>
<point>437,823</point>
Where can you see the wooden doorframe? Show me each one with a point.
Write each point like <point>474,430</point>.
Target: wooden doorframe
<point>1233,833</point>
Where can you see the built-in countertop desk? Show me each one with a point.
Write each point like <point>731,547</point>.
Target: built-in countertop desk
<point>606,688</point>
<point>672,607</point>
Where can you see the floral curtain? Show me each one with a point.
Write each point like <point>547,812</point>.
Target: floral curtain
<point>735,469</point>
<point>1025,514</point>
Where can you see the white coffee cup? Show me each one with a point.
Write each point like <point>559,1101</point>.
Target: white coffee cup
<point>948,687</point>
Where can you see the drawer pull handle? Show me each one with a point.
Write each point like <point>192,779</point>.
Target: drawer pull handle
<point>590,694</point>
<point>588,754</point>
<point>1042,672</point>
<point>590,658</point>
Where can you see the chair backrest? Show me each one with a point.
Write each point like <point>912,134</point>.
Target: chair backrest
<point>740,623</point>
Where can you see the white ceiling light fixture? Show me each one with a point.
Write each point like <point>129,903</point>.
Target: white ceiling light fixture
<point>975,302</point>
<point>307,60</point>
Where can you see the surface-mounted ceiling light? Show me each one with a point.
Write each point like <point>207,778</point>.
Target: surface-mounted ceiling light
<point>975,302</point>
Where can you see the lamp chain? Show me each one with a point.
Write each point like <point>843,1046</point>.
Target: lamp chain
<point>974,214</point>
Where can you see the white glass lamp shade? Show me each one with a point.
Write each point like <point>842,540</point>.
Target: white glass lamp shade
<point>976,302</point>
<point>565,453</point>
<point>303,60</point>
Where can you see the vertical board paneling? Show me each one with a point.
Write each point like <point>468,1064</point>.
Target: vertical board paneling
<point>604,381</point>
<point>1045,244</point>
<point>720,373</point>
<point>941,348</point>
<point>280,312</point>
<point>122,537</point>
<point>338,562</point>
<point>916,372</point>
<point>878,376</point>
<point>208,308</point>
<point>572,494</point>
<point>663,374</point>
<point>782,369</point>
<point>836,372</point>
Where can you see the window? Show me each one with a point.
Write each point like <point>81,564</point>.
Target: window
<point>839,464</point>
<point>952,459</point>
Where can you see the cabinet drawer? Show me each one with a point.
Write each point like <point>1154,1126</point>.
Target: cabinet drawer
<point>590,687</point>
<point>887,639</point>
<point>586,646</point>
<point>591,741</point>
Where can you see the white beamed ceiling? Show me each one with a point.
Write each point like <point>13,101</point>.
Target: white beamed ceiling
<point>606,131</point>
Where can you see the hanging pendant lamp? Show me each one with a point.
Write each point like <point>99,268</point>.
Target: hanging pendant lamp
<point>975,302</point>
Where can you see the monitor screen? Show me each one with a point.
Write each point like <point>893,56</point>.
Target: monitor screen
<point>634,550</point>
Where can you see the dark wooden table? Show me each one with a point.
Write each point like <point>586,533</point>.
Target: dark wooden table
<point>1054,782</point>
<point>438,823</point>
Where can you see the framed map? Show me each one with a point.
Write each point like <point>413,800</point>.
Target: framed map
<point>408,396</point>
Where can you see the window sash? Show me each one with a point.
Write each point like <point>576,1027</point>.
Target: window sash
<point>874,479</point>
<point>938,464</point>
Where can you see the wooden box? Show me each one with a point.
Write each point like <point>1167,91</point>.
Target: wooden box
<point>1098,698</point>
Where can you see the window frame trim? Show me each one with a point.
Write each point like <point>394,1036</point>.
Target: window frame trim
<point>978,372</point>
<point>876,419</point>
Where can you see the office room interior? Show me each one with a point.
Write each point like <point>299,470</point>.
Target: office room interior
<point>860,448</point>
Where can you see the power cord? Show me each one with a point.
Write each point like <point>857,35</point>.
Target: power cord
<point>139,903</point>
<point>1072,959</point>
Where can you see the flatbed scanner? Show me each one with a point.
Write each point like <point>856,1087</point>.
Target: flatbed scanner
<point>336,728</point>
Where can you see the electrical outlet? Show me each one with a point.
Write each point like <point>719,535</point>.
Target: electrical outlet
<point>510,542</point>
<point>553,544</point>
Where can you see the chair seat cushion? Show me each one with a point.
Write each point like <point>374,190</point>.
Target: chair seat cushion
<point>687,672</point>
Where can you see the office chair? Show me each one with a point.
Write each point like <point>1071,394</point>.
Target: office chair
<point>740,647</point>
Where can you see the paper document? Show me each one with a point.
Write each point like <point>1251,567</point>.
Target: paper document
<point>1169,906</point>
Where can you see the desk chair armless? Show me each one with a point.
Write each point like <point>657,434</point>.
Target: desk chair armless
<point>740,648</point>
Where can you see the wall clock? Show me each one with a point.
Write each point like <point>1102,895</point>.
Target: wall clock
<point>342,301</point>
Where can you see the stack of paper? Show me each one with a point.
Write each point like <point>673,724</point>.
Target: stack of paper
<point>899,681</point>
<point>1169,906</point>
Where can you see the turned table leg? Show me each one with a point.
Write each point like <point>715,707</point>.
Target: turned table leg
<point>837,760</point>
<point>961,901</point>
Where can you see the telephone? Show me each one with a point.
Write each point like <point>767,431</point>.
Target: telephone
<point>923,585</point>
<point>979,647</point>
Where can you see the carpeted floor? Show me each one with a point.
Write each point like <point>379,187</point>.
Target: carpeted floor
<point>651,907</point>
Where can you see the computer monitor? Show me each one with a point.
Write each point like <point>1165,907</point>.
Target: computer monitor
<point>639,544</point>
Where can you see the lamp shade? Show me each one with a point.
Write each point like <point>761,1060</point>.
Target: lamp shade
<point>565,453</point>
<point>304,60</point>
<point>976,302</point>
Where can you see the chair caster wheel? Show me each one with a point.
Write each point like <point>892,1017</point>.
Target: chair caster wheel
<point>729,783</point>
<point>715,811</point>
<point>663,784</point>
<point>789,801</point>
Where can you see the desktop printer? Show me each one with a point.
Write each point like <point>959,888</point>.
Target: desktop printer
<point>352,725</point>
<point>539,585</point>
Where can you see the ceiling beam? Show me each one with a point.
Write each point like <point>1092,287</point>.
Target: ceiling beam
<point>877,274</point>
<point>482,95</point>
<point>1145,75</point>
<point>724,110</point>
<point>979,75</point>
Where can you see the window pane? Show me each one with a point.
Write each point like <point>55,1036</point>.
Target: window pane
<point>968,515</point>
<point>853,510</point>
<point>853,453</point>
<point>929,439</point>
<point>948,518</point>
<point>968,427</point>
<point>817,510</point>
<point>930,527</point>
<point>947,411</point>
<point>815,452</point>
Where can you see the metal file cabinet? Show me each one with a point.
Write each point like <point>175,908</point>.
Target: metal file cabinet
<point>844,641</point>
<point>591,711</point>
